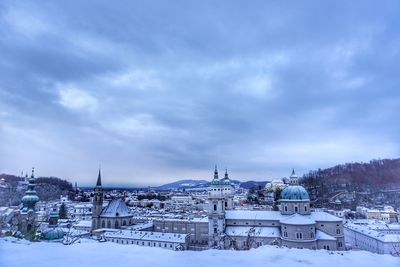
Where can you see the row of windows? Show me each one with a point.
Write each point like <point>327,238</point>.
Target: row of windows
<point>116,224</point>
<point>296,209</point>
<point>298,235</point>
<point>141,243</point>
<point>175,228</point>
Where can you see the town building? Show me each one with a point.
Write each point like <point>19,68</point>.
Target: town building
<point>295,225</point>
<point>147,238</point>
<point>372,235</point>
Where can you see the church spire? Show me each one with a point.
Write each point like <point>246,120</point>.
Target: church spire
<point>98,184</point>
<point>226,174</point>
<point>216,172</point>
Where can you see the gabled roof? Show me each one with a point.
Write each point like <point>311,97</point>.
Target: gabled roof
<point>116,208</point>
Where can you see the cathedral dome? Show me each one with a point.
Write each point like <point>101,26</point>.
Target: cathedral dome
<point>30,200</point>
<point>294,192</point>
<point>53,233</point>
<point>215,182</point>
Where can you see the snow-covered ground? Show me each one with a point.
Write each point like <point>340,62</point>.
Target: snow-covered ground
<point>92,253</point>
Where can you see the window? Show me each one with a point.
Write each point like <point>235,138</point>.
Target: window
<point>226,204</point>
<point>285,208</point>
<point>296,209</point>
<point>215,207</point>
<point>285,234</point>
<point>305,208</point>
<point>215,230</point>
<point>299,235</point>
<point>339,244</point>
<point>338,231</point>
<point>312,235</point>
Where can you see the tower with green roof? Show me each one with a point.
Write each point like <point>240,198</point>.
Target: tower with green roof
<point>27,215</point>
<point>220,198</point>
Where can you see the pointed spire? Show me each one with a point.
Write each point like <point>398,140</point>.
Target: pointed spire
<point>293,178</point>
<point>33,172</point>
<point>226,174</point>
<point>216,172</point>
<point>99,178</point>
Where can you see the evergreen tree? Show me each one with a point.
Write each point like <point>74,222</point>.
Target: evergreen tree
<point>63,212</point>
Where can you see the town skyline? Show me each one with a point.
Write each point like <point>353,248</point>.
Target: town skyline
<point>163,92</point>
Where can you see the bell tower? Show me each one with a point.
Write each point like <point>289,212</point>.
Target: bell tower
<point>220,198</point>
<point>97,203</point>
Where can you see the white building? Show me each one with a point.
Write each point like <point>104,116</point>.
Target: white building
<point>374,236</point>
<point>146,238</point>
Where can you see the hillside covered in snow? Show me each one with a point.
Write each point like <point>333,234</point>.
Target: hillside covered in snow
<point>42,254</point>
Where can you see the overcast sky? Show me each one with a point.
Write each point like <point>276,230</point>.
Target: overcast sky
<point>161,90</point>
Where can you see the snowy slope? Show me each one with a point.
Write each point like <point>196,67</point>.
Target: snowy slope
<point>110,254</point>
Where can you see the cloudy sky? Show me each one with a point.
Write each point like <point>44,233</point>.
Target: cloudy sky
<point>161,90</point>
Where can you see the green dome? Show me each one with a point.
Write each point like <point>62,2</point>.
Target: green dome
<point>215,181</point>
<point>226,181</point>
<point>294,192</point>
<point>53,233</point>
<point>30,200</point>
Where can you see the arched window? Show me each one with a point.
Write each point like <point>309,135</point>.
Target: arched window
<point>295,209</point>
<point>285,208</point>
<point>116,224</point>
<point>108,224</point>
<point>124,222</point>
<point>103,224</point>
<point>305,208</point>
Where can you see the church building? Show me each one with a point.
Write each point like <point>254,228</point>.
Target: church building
<point>114,215</point>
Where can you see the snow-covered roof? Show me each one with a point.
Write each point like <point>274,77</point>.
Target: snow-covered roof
<point>258,231</point>
<point>372,232</point>
<point>148,236</point>
<point>197,220</point>
<point>322,216</point>
<point>83,223</point>
<point>324,236</point>
<point>297,219</point>
<point>253,215</point>
<point>261,215</point>
<point>116,208</point>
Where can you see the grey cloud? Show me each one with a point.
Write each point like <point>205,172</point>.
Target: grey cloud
<point>158,89</point>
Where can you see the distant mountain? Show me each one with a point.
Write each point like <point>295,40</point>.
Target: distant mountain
<point>253,184</point>
<point>183,184</point>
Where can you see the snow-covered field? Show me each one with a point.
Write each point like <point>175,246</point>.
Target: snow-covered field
<point>42,254</point>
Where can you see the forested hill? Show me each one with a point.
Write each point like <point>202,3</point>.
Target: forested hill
<point>360,177</point>
<point>47,188</point>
